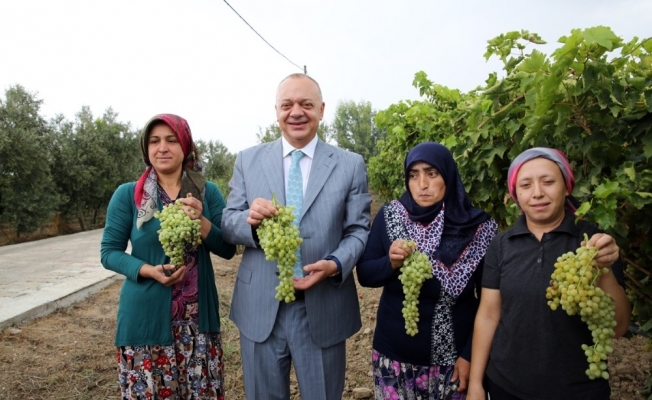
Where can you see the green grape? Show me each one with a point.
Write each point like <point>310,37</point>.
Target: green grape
<point>177,231</point>
<point>573,289</point>
<point>415,270</point>
<point>279,239</point>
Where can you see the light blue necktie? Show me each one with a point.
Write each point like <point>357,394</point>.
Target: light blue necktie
<point>294,197</point>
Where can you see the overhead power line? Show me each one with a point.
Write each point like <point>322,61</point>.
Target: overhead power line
<point>252,28</point>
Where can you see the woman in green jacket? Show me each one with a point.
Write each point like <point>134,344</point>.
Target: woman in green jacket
<point>168,328</point>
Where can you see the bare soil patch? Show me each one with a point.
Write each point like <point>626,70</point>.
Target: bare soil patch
<point>69,354</point>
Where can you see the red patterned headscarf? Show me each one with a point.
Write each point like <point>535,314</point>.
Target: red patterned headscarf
<point>146,191</point>
<point>553,155</point>
<point>180,127</point>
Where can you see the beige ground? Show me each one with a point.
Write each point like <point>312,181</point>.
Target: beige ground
<point>69,354</point>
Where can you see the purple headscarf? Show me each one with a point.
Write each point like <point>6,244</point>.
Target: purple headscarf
<point>553,155</point>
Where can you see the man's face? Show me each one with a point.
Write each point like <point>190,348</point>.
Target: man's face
<point>299,109</point>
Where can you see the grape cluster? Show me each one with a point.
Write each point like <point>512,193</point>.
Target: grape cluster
<point>416,269</point>
<point>280,240</point>
<point>572,288</point>
<point>177,231</point>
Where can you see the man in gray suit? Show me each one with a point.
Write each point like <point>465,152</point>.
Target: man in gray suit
<point>334,223</point>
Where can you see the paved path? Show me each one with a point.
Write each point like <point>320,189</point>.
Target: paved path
<point>40,276</point>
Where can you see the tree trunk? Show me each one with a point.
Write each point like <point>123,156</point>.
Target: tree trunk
<point>97,211</point>
<point>80,218</point>
<point>60,224</point>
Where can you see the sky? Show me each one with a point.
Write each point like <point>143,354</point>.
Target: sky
<point>200,60</point>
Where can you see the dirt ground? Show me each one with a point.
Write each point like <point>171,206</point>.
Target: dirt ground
<point>69,354</point>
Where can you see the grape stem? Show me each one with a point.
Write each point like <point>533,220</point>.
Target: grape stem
<point>275,201</point>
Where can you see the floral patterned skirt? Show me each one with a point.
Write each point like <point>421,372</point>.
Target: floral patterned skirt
<point>191,368</point>
<point>395,380</point>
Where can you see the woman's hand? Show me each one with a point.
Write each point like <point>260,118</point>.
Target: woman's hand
<point>461,372</point>
<point>159,273</point>
<point>608,254</point>
<point>192,207</point>
<point>608,250</point>
<point>398,251</point>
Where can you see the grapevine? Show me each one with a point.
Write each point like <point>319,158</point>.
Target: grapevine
<point>279,239</point>
<point>572,288</point>
<point>416,269</point>
<point>177,231</point>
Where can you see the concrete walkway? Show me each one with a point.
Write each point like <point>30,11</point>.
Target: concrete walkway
<point>38,277</point>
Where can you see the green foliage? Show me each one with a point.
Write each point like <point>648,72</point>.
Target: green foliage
<point>324,132</point>
<point>271,133</point>
<point>72,168</point>
<point>354,129</point>
<point>27,191</point>
<point>591,98</point>
<point>409,123</point>
<point>218,163</point>
<point>223,185</point>
<point>92,157</point>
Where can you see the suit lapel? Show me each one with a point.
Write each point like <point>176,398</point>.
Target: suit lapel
<point>322,166</point>
<point>272,165</point>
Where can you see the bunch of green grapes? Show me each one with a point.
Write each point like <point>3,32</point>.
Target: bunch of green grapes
<point>280,240</point>
<point>416,269</point>
<point>572,288</point>
<point>177,231</point>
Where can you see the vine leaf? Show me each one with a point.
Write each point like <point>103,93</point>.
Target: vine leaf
<point>601,35</point>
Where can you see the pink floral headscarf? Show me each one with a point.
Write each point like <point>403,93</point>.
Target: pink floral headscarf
<point>553,155</point>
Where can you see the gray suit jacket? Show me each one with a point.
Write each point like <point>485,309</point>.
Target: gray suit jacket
<point>334,221</point>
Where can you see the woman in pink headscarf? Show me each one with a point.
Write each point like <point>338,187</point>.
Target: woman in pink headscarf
<point>168,327</point>
<point>521,348</point>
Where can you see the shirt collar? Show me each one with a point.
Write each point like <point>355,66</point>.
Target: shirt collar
<point>308,149</point>
<point>567,225</point>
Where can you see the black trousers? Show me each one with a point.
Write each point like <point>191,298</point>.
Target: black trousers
<point>496,392</point>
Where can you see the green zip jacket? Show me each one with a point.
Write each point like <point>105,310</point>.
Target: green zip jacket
<point>144,311</point>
